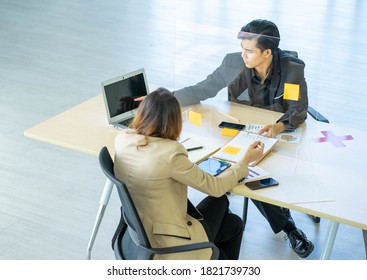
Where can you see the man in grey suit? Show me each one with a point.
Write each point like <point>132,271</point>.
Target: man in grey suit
<point>257,77</point>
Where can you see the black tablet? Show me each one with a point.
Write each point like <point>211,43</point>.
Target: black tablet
<point>213,166</point>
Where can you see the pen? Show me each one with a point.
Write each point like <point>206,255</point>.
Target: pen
<point>194,148</point>
<point>229,116</point>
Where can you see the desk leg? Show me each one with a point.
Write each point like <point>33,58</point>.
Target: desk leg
<point>330,239</point>
<point>106,194</point>
<point>244,211</point>
<point>365,240</point>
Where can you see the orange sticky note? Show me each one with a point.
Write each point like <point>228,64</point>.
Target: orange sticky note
<point>229,132</point>
<point>231,150</point>
<point>195,118</point>
<point>291,91</point>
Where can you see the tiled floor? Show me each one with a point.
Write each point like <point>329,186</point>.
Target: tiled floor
<point>54,54</point>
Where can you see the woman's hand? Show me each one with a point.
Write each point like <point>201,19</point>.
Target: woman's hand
<point>254,152</point>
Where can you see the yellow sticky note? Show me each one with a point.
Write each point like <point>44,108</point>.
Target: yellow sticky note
<point>291,91</point>
<point>195,118</point>
<point>229,132</point>
<point>231,150</point>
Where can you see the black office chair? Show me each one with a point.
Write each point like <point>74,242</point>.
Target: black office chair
<point>130,241</point>
<point>313,113</point>
<point>316,115</point>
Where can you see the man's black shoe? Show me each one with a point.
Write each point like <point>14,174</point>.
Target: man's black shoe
<point>299,243</point>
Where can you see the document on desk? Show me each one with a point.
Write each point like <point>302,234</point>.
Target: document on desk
<point>256,173</point>
<point>198,150</point>
<point>293,136</point>
<point>287,136</point>
<point>237,147</point>
<point>301,189</point>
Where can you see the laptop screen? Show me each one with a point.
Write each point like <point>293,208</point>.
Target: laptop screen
<point>121,95</point>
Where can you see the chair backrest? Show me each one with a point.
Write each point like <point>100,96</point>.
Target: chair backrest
<point>293,53</point>
<point>133,243</point>
<point>131,217</point>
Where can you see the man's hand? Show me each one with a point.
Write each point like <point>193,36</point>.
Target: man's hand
<point>271,130</point>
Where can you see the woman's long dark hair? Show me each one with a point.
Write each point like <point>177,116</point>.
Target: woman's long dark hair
<point>159,115</point>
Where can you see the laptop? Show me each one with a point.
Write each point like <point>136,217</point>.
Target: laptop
<point>121,97</point>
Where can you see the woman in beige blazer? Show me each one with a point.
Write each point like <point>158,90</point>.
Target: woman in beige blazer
<point>156,170</point>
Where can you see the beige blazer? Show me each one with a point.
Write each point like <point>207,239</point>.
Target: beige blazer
<point>157,176</point>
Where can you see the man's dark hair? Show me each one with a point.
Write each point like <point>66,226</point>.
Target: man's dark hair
<point>264,27</point>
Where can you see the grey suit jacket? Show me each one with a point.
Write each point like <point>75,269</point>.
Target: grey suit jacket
<point>158,175</point>
<point>231,66</point>
<point>232,73</point>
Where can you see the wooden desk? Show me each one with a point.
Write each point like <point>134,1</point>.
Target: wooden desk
<point>329,177</point>
<point>83,128</point>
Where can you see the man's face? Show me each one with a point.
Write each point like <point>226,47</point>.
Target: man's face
<point>252,56</point>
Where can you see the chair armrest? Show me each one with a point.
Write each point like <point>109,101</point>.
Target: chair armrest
<point>316,115</point>
<point>186,248</point>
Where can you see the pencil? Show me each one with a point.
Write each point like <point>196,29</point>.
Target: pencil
<point>229,116</point>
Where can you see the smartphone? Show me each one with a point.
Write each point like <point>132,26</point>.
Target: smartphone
<point>236,126</point>
<point>262,184</point>
<point>213,166</point>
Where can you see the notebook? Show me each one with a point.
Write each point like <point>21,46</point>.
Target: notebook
<point>237,147</point>
<point>198,150</point>
<point>122,95</point>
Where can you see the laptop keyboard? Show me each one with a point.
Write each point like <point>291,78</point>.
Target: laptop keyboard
<point>126,122</point>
